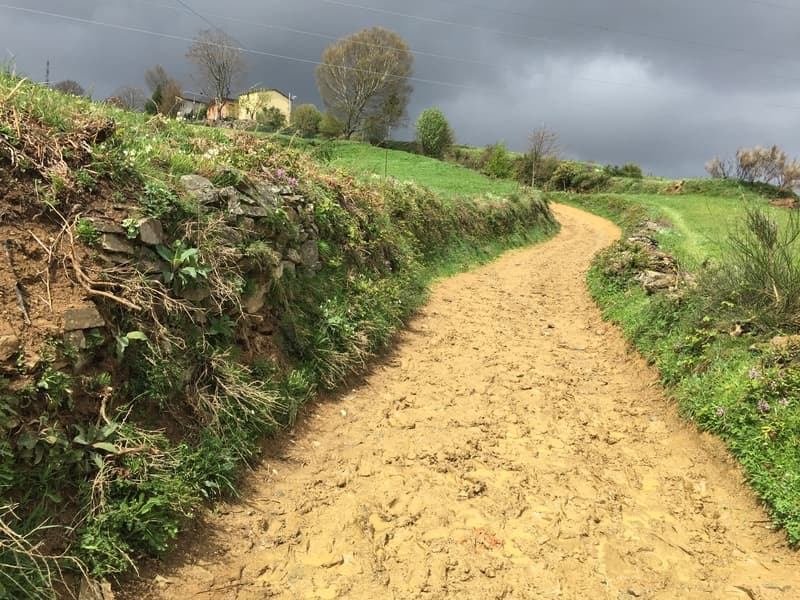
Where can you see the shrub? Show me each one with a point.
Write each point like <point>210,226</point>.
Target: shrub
<point>87,233</point>
<point>759,275</point>
<point>630,170</point>
<point>330,127</point>
<point>499,165</point>
<point>272,118</point>
<point>590,180</point>
<point>434,135</point>
<point>306,120</point>
<point>564,174</point>
<point>375,131</point>
<point>471,158</point>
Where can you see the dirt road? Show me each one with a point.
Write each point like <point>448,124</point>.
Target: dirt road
<point>511,447</point>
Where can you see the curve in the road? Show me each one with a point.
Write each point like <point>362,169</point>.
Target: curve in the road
<point>510,447</point>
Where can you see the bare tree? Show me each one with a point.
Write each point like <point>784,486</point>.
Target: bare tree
<point>789,178</point>
<point>219,62</point>
<point>758,164</point>
<point>68,86</point>
<point>363,80</point>
<point>165,92</point>
<point>719,168</point>
<point>129,97</point>
<point>544,143</point>
<point>156,78</point>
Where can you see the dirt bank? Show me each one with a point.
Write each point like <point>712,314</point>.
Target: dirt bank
<point>511,447</point>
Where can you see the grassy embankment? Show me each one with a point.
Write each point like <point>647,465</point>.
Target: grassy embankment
<point>443,178</point>
<point>710,344</point>
<point>279,280</point>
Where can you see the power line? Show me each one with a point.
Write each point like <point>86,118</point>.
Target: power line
<point>548,39</point>
<point>509,12</point>
<point>330,37</point>
<point>316,62</point>
<point>284,56</point>
<point>441,21</point>
<point>313,33</point>
<point>197,14</point>
<point>213,26</point>
<point>245,50</point>
<point>657,36</point>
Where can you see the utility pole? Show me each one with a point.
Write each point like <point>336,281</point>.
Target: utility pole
<point>47,74</point>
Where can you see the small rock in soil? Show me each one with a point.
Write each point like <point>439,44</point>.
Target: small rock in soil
<point>200,188</point>
<point>151,232</point>
<point>76,339</point>
<point>105,226</point>
<point>784,342</point>
<point>9,346</point>
<point>325,560</point>
<point>116,243</point>
<point>652,281</point>
<point>293,256</point>
<point>309,252</point>
<point>95,590</point>
<point>86,317</point>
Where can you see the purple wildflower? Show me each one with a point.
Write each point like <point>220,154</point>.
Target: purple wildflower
<point>720,411</point>
<point>280,172</point>
<point>292,181</point>
<point>773,384</point>
<point>754,374</point>
<point>763,406</point>
<point>783,401</point>
<point>781,374</point>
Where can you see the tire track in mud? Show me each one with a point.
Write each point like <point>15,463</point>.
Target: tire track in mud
<point>510,447</point>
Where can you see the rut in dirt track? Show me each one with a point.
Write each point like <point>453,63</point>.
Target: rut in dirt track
<point>511,447</point>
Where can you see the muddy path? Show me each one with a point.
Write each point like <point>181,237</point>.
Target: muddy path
<point>511,447</point>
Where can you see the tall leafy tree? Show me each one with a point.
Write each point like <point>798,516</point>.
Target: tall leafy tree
<point>363,81</point>
<point>434,135</point>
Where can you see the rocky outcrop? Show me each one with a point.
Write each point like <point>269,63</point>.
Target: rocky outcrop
<point>639,256</point>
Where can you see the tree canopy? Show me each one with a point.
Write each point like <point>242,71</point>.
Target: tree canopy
<point>363,80</point>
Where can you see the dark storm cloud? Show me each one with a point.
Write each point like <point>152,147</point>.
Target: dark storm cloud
<point>665,84</point>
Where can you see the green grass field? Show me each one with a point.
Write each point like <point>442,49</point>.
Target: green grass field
<point>444,178</point>
<point>697,225</point>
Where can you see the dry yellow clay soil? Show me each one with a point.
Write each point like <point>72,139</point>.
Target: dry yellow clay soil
<point>511,446</point>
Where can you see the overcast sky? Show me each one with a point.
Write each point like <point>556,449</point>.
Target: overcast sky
<point>666,84</point>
